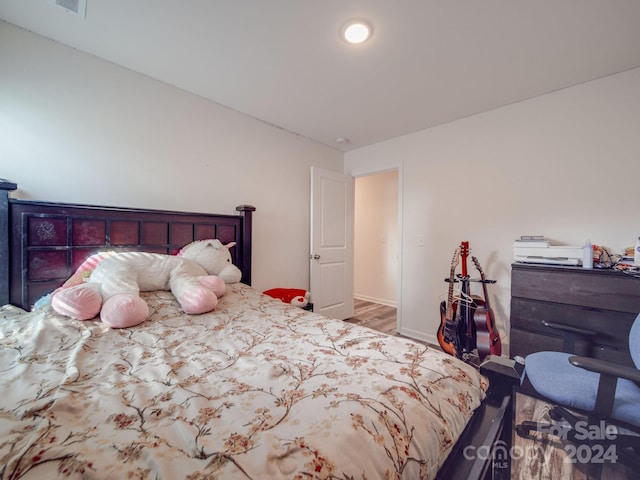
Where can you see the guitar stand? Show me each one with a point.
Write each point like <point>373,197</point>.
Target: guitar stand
<point>470,356</point>
<point>475,280</point>
<point>459,331</point>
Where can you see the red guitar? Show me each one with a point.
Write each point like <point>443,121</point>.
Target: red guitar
<point>467,303</point>
<point>487,335</point>
<point>448,331</point>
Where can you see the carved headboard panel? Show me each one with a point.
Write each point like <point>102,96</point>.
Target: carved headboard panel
<point>45,242</point>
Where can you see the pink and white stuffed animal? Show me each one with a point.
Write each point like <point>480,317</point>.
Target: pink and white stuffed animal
<point>196,276</point>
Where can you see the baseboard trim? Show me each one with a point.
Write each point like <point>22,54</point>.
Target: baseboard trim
<point>381,301</point>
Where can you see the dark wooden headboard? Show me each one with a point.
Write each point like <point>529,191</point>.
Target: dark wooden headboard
<point>42,243</point>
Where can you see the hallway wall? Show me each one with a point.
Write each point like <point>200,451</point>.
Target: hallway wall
<point>376,238</point>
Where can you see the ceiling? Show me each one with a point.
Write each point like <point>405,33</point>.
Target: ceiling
<point>281,61</point>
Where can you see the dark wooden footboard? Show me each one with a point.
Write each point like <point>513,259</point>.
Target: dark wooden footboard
<point>482,451</point>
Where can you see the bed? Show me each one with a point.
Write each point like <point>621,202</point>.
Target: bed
<point>254,389</point>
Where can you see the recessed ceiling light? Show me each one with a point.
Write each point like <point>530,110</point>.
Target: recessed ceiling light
<point>356,31</point>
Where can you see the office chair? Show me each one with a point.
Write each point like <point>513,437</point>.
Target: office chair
<point>597,390</point>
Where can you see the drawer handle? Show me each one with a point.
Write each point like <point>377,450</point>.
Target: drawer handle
<point>593,309</point>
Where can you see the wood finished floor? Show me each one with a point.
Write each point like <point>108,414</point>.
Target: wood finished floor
<point>540,457</point>
<point>375,316</point>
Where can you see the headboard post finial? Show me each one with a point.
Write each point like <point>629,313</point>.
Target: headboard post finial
<point>5,187</point>
<point>246,211</point>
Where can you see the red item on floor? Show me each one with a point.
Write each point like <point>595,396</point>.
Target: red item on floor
<point>295,296</point>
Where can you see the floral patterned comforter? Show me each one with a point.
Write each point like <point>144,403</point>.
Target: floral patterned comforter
<point>256,389</point>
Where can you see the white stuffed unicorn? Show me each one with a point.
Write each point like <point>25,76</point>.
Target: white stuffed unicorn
<point>197,277</point>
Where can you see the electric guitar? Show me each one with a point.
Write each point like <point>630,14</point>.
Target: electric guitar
<point>487,335</point>
<point>448,335</point>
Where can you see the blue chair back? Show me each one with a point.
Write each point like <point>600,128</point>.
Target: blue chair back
<point>634,341</point>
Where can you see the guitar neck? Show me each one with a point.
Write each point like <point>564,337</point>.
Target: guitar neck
<point>452,274</point>
<point>464,253</point>
<point>485,292</point>
<point>483,281</point>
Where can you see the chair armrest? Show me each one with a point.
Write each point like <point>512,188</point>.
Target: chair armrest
<point>606,368</point>
<point>569,328</point>
<point>569,334</point>
<point>609,374</point>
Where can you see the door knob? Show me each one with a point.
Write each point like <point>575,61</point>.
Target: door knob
<point>316,257</point>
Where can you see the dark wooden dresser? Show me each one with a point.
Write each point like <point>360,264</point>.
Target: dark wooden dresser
<point>604,301</point>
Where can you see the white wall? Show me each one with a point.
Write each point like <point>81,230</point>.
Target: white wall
<point>565,165</point>
<point>74,128</point>
<point>376,238</point>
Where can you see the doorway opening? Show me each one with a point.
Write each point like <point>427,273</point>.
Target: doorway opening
<point>376,250</point>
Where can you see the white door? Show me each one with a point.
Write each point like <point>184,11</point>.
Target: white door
<point>331,258</point>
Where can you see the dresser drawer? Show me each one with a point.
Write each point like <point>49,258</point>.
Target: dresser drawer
<point>525,342</point>
<point>612,327</point>
<point>574,286</point>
